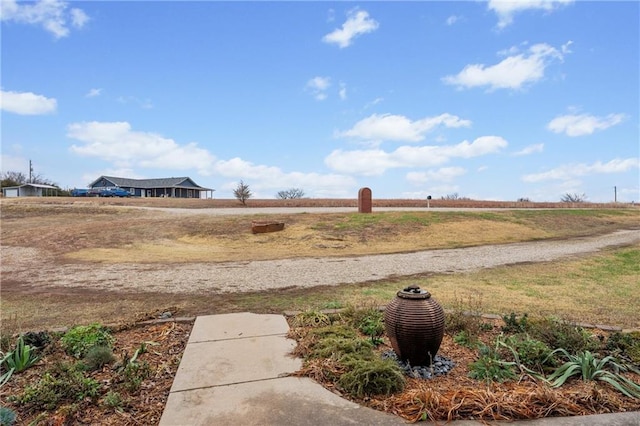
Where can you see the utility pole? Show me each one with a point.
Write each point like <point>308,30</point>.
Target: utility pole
<point>615,194</point>
<point>30,172</point>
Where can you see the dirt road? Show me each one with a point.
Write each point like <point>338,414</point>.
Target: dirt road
<point>34,269</point>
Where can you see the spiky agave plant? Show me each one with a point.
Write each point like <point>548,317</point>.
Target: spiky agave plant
<point>588,366</point>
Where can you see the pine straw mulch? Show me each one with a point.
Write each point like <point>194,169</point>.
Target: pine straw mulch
<point>140,407</point>
<point>458,397</point>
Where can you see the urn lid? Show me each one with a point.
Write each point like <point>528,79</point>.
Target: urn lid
<point>413,292</point>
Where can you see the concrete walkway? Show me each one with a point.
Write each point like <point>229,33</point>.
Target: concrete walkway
<point>235,371</point>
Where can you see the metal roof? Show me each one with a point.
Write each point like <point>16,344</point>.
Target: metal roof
<point>35,185</point>
<point>172,182</point>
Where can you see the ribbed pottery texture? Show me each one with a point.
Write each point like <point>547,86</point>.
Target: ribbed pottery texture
<point>414,323</point>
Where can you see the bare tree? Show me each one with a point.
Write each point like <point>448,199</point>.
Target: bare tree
<point>290,194</point>
<point>242,192</point>
<point>12,179</point>
<point>573,198</point>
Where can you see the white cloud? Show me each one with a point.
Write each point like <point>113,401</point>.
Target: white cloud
<point>358,22</point>
<point>511,73</point>
<point>374,102</point>
<point>318,87</point>
<point>52,15</point>
<point>572,171</point>
<point>118,143</point>
<point>93,93</point>
<point>452,19</point>
<point>373,162</point>
<point>266,181</point>
<point>583,124</point>
<point>506,9</point>
<point>127,149</point>
<point>343,91</point>
<point>142,103</point>
<point>27,103</point>
<point>531,149</point>
<point>443,174</point>
<point>399,128</point>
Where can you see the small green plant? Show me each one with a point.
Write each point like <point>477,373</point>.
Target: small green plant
<point>491,368</point>
<point>370,322</point>
<point>19,359</point>
<point>530,352</point>
<point>113,400</point>
<point>97,357</point>
<point>7,416</point>
<point>60,384</point>
<point>372,377</point>
<point>463,338</point>
<point>514,325</point>
<point>79,339</point>
<point>134,374</point>
<point>589,367</point>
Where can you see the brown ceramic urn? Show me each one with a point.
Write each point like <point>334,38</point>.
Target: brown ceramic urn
<point>414,323</point>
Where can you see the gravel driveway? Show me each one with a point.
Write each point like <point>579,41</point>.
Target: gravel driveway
<point>18,268</point>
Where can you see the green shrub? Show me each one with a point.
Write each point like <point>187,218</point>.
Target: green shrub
<point>625,345</point>
<point>63,383</point>
<point>562,334</point>
<point>372,377</point>
<point>79,339</point>
<point>531,353</point>
<point>514,325</point>
<point>370,322</point>
<point>97,357</point>
<point>491,368</point>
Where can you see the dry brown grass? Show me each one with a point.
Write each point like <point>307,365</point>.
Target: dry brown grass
<point>88,230</point>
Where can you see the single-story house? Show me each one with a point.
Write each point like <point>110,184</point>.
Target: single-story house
<point>178,187</point>
<point>29,190</point>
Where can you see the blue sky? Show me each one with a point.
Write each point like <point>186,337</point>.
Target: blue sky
<point>487,100</point>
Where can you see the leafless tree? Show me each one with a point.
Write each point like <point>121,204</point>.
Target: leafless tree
<point>573,198</point>
<point>290,194</point>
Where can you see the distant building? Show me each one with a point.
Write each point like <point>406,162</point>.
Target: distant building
<point>29,190</point>
<point>175,187</point>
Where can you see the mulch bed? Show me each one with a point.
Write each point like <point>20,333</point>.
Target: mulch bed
<point>165,346</point>
<point>456,396</point>
<point>445,398</point>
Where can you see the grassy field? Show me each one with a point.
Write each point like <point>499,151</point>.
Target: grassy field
<point>600,288</point>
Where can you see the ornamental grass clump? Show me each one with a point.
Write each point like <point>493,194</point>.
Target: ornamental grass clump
<point>372,377</point>
<point>589,367</point>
